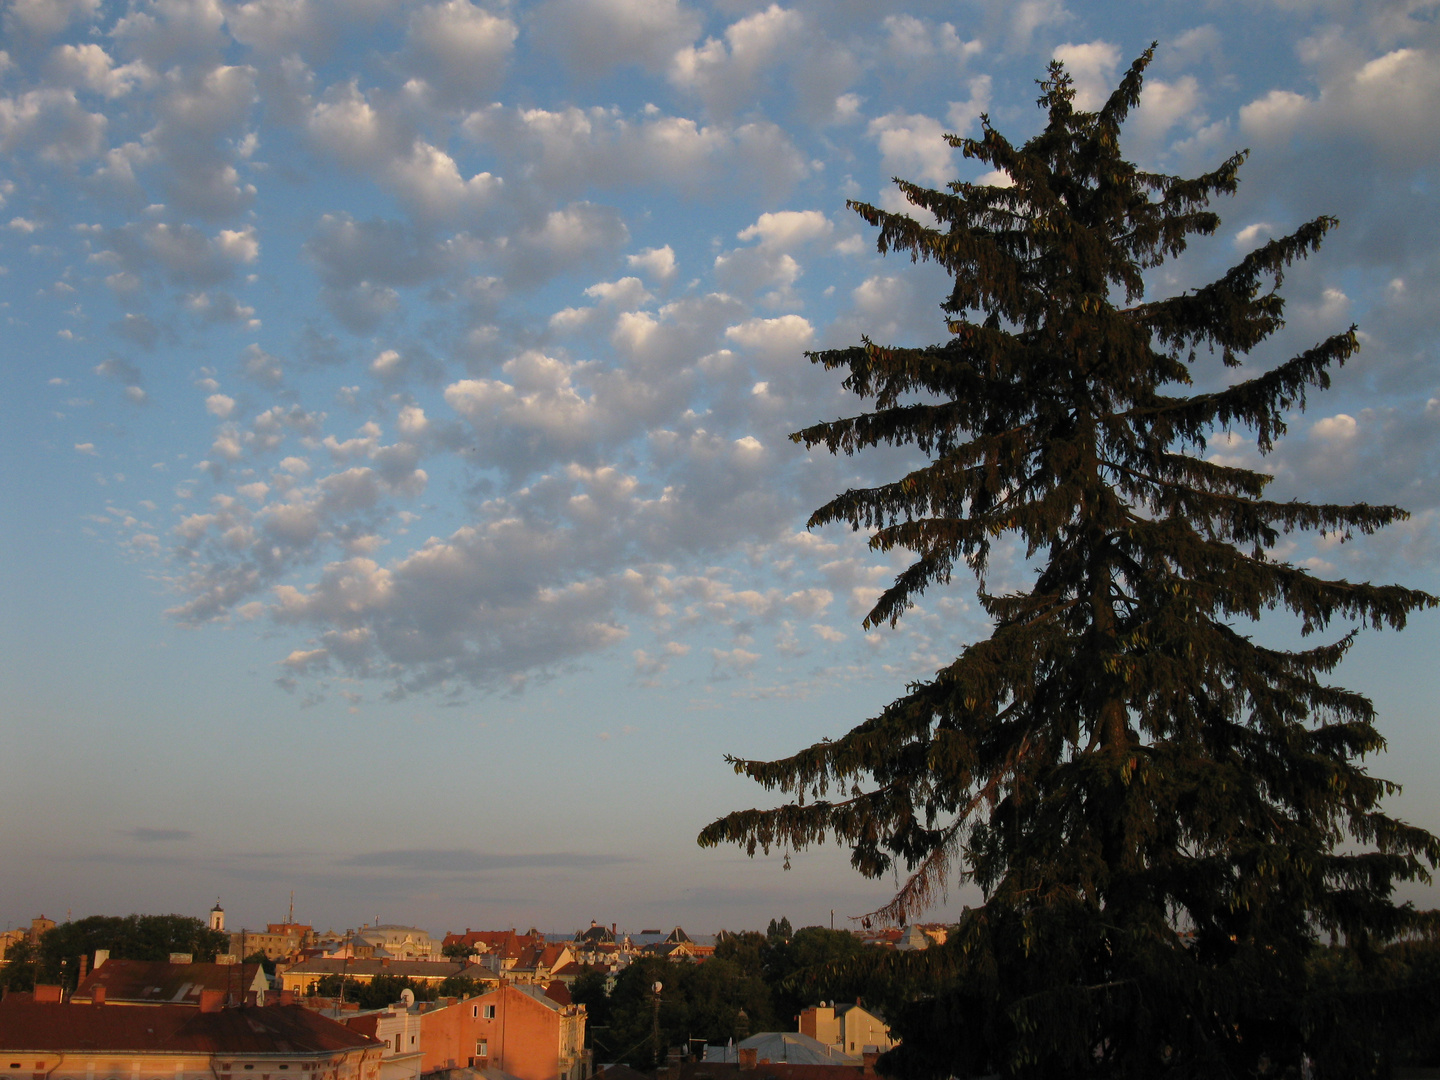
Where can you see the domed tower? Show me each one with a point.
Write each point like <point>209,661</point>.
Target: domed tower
<point>217,917</point>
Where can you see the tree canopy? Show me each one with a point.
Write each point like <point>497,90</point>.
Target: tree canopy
<point>1162,813</point>
<point>56,958</point>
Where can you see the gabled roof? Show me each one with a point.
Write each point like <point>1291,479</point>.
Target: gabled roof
<point>152,982</point>
<point>505,942</point>
<point>478,972</point>
<point>273,1029</point>
<point>414,969</point>
<point>621,1072</point>
<point>841,1010</point>
<point>596,934</point>
<point>464,1073</point>
<point>556,990</point>
<point>551,954</point>
<point>678,937</point>
<point>527,958</point>
<point>789,1047</point>
<point>714,1070</point>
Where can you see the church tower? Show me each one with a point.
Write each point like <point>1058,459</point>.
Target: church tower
<point>217,917</point>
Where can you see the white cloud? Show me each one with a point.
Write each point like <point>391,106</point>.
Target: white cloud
<point>53,124</point>
<point>220,405</point>
<point>1388,101</point>
<point>261,367</point>
<point>345,125</point>
<point>430,181</point>
<point>788,229</point>
<point>46,17</point>
<point>914,39</point>
<point>171,33</point>
<point>91,67</point>
<point>281,25</point>
<point>567,151</point>
<point>1165,104</point>
<point>788,335</point>
<point>597,36</point>
<point>725,73</point>
<point>577,235</point>
<point>1092,65</point>
<point>241,245</point>
<point>913,147</point>
<point>627,294</point>
<point>183,252</point>
<point>460,48</point>
<point>1275,114</point>
<point>1339,427</point>
<point>659,263</point>
<point>432,616</point>
<point>411,422</point>
<point>541,400</point>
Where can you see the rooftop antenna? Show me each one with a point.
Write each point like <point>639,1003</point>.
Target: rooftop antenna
<point>291,917</point>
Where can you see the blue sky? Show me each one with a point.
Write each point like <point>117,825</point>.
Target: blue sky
<point>397,503</point>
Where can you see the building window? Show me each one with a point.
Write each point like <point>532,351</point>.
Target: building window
<point>489,1012</point>
<point>482,1047</point>
<point>474,1010</point>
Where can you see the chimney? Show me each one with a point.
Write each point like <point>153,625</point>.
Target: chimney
<point>212,1001</point>
<point>250,997</point>
<point>385,961</point>
<point>287,997</point>
<point>747,1058</point>
<point>97,996</point>
<point>869,1057</point>
<point>47,994</point>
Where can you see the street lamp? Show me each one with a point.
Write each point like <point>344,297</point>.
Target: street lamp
<point>657,986</point>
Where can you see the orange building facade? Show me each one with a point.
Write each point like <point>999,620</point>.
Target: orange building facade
<point>517,1029</point>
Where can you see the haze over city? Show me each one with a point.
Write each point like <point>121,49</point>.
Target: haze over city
<point>399,506</point>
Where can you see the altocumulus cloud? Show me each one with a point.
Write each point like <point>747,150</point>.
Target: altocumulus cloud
<point>503,307</point>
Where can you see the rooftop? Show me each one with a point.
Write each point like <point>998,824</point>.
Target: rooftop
<point>156,981</point>
<point>272,1029</point>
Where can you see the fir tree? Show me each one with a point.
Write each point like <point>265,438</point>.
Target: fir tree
<point>1162,813</point>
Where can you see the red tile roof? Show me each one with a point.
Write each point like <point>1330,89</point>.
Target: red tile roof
<point>155,981</point>
<point>368,967</point>
<point>550,954</point>
<point>505,942</point>
<point>275,1029</point>
<point>766,1070</point>
<point>558,991</point>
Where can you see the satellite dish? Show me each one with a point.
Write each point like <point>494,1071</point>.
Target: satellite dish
<point>407,997</point>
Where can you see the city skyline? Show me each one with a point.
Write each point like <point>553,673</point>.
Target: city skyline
<point>400,506</point>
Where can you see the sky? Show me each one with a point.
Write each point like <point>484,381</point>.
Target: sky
<point>397,503</point>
